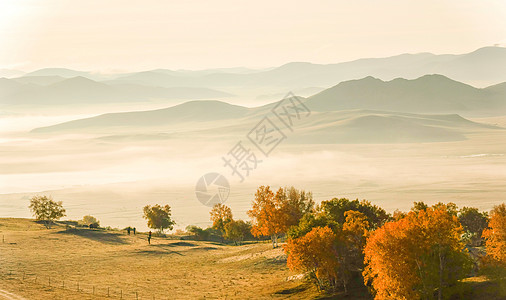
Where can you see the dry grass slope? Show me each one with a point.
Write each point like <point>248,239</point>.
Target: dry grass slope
<point>126,264</point>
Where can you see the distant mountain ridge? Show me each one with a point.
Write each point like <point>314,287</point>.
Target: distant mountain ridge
<point>427,94</point>
<point>484,66</point>
<point>55,90</point>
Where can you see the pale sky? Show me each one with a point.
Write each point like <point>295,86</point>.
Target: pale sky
<point>119,35</point>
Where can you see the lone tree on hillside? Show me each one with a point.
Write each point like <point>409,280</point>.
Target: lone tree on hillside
<point>46,210</point>
<point>159,217</point>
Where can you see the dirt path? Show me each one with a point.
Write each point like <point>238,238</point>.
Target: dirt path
<point>9,296</point>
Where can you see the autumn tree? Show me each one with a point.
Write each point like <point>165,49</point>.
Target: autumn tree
<point>495,236</point>
<point>428,244</point>
<point>450,207</point>
<point>236,231</point>
<point>397,215</point>
<point>315,253</point>
<point>330,256</point>
<point>220,216</point>
<point>159,217</point>
<point>350,246</point>
<point>45,209</point>
<point>266,215</point>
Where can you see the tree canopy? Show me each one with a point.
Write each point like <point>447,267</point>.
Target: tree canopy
<point>273,214</point>
<point>428,244</point>
<point>159,217</point>
<point>495,236</point>
<point>45,209</point>
<point>236,231</point>
<point>221,215</point>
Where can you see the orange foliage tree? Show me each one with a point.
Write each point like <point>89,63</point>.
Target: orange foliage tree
<point>416,255</point>
<point>495,236</point>
<point>272,214</point>
<point>266,215</point>
<point>315,253</point>
<point>330,257</point>
<point>221,215</point>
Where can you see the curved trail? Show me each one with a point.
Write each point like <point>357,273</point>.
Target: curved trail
<point>9,296</point>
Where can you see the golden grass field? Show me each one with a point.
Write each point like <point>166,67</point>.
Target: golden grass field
<point>166,269</point>
<point>37,263</point>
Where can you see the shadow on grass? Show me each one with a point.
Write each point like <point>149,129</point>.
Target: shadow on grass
<point>97,235</point>
<point>206,248</point>
<point>184,244</point>
<point>480,288</point>
<point>157,252</point>
<point>294,290</point>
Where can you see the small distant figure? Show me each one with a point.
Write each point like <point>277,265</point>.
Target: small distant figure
<point>134,230</point>
<point>149,238</point>
<point>128,230</point>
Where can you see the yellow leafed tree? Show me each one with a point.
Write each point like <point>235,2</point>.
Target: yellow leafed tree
<point>416,255</point>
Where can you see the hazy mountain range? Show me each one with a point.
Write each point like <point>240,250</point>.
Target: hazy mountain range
<point>427,94</point>
<point>483,67</point>
<point>57,90</point>
<point>364,100</point>
<point>358,111</point>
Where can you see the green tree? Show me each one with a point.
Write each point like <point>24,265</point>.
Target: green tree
<point>199,233</point>
<point>419,206</point>
<point>46,210</point>
<point>334,210</point>
<point>236,231</point>
<point>159,217</point>
<point>473,220</point>
<point>89,220</point>
<point>294,204</point>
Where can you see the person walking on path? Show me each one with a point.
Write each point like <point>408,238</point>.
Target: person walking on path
<point>134,230</point>
<point>128,230</point>
<point>149,238</point>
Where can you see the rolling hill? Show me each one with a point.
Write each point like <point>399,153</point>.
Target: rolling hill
<point>219,118</point>
<point>427,94</point>
<point>193,111</point>
<point>56,90</point>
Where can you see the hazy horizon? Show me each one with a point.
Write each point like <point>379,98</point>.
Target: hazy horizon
<point>224,34</point>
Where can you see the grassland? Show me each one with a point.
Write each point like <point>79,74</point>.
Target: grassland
<point>126,264</point>
<point>63,263</point>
